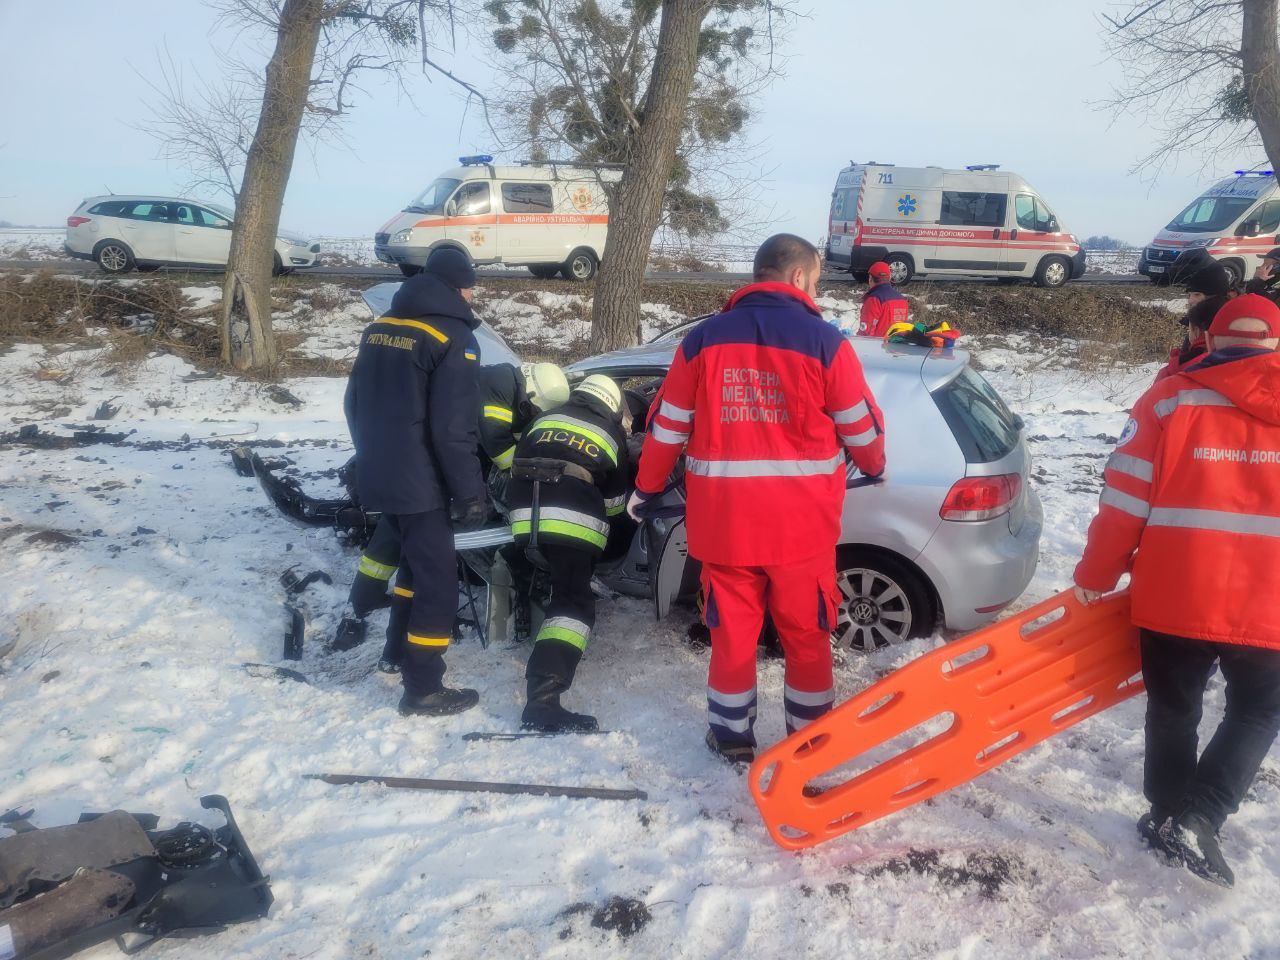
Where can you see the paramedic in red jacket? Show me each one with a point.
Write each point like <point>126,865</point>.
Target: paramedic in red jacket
<point>882,304</point>
<point>1193,488</point>
<point>769,399</point>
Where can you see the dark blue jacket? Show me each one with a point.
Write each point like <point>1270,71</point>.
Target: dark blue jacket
<point>413,402</point>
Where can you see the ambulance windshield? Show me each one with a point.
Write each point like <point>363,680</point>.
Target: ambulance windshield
<point>433,198</point>
<point>1211,214</point>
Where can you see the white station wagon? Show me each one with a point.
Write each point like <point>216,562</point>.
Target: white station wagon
<point>147,232</point>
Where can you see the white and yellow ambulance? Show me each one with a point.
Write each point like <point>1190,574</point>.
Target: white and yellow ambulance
<point>1236,222</point>
<point>549,217</point>
<point>979,221</point>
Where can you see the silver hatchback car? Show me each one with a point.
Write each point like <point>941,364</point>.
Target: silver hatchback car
<point>951,535</point>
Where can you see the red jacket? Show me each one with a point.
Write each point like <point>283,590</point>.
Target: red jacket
<point>1180,357</point>
<point>1194,487</point>
<point>770,400</point>
<point>882,306</point>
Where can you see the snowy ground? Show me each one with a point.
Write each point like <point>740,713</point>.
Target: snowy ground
<point>138,577</point>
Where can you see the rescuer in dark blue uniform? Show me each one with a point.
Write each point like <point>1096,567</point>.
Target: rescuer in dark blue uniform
<point>411,405</point>
<point>583,443</point>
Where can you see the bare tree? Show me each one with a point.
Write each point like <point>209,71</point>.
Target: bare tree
<point>322,51</point>
<point>1203,72</point>
<point>576,75</point>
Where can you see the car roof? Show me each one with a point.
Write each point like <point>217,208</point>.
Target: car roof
<point>934,366</point>
<point>149,196</point>
<point>493,349</point>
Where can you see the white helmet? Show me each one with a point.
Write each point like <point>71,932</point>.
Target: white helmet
<point>546,385</point>
<point>603,389</point>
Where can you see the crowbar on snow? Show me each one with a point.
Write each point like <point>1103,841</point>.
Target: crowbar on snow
<point>481,786</point>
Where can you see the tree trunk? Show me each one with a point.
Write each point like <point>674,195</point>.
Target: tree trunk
<point>1262,72</point>
<point>636,207</point>
<point>247,339</point>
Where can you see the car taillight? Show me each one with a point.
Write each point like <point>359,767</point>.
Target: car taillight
<point>981,498</point>
<point>76,221</point>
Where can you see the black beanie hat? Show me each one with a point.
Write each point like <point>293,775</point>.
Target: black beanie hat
<point>1201,315</point>
<point>1212,280</point>
<point>453,267</point>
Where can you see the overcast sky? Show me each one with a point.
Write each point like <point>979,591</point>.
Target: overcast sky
<point>912,82</point>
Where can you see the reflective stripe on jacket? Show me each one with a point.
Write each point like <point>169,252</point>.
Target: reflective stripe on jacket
<point>770,401</point>
<point>504,412</point>
<point>573,512</point>
<point>1193,487</point>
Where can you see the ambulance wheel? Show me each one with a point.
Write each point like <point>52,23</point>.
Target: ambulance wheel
<point>581,266</point>
<point>1235,271</point>
<point>901,268</point>
<point>883,601</point>
<point>410,269</point>
<point>544,271</point>
<point>1053,272</point>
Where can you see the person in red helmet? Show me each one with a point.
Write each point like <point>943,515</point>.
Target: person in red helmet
<point>882,304</point>
<point>771,402</point>
<point>1191,506</point>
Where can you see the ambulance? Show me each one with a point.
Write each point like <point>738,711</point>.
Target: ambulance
<point>1235,222</point>
<point>549,217</point>
<point>975,222</point>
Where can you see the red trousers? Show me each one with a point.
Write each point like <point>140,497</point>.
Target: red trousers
<point>800,597</point>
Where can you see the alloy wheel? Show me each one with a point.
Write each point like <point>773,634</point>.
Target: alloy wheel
<point>874,610</point>
<point>113,258</point>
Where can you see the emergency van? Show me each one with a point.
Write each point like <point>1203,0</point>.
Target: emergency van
<point>978,221</point>
<point>549,217</point>
<point>1236,221</point>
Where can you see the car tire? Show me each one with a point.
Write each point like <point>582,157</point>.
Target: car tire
<point>901,268</point>
<point>410,269</point>
<point>277,266</point>
<point>580,266</point>
<point>544,271</point>
<point>113,256</point>
<point>1053,272</point>
<point>882,600</point>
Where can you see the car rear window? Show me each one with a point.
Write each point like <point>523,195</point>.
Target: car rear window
<point>983,426</point>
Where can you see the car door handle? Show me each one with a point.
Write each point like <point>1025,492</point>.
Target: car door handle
<point>1013,234</point>
<point>995,234</point>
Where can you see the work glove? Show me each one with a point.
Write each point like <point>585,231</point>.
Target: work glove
<point>637,500</point>
<point>470,514</point>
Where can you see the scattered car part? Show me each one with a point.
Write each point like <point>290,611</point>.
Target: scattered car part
<point>485,736</point>
<point>297,631</point>
<point>40,859</point>
<point>91,898</point>
<point>190,880</point>
<point>481,786</point>
<point>241,459</point>
<point>294,584</point>
<point>106,410</point>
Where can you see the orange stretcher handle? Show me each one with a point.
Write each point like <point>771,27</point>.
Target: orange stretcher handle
<point>952,714</point>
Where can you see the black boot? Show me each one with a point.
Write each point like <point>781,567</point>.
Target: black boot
<point>1198,840</point>
<point>443,703</point>
<point>1149,832</point>
<point>351,633</point>
<point>549,674</point>
<point>734,754</point>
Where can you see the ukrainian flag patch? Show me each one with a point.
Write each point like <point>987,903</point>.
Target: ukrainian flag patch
<point>470,354</point>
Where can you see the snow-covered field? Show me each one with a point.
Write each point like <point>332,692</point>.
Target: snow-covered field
<point>139,576</point>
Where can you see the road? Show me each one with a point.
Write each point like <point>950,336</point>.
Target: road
<point>383,273</point>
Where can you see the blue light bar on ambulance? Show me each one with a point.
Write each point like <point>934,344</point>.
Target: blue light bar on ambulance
<point>478,160</point>
<point>1255,173</point>
<point>983,166</point>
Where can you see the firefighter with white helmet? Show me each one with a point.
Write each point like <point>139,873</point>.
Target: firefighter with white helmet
<point>568,480</point>
<point>511,397</point>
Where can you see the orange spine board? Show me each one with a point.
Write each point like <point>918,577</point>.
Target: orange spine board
<point>1004,689</point>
